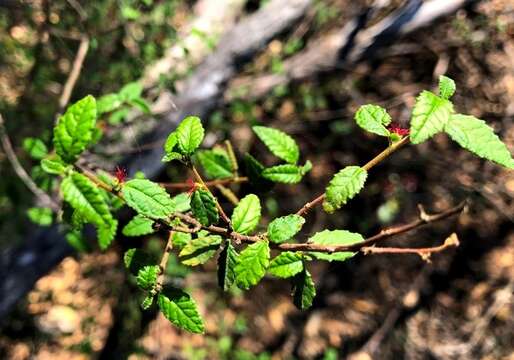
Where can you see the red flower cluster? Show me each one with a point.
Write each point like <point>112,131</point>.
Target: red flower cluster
<point>397,129</point>
<point>121,174</point>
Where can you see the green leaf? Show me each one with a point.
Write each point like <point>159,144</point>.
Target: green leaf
<point>335,238</point>
<point>286,265</point>
<point>108,103</point>
<point>347,183</point>
<point>114,202</point>
<point>199,251</point>
<point>279,143</point>
<point>189,135</point>
<point>373,118</point>
<point>129,13</point>
<point>172,156</point>
<point>139,226</point>
<point>86,198</point>
<point>136,259</point>
<point>74,130</point>
<point>40,216</point>
<point>252,265</point>
<point>254,170</point>
<point>306,167</point>
<point>304,290</point>
<point>147,277</point>
<point>106,177</point>
<point>247,214</point>
<point>446,87</point>
<point>215,163</point>
<point>139,175</point>
<point>284,228</point>
<point>429,116</point>
<point>179,308</point>
<point>43,180</point>
<point>180,239</point>
<point>35,148</point>
<point>227,262</point>
<point>77,241</point>
<point>77,221</point>
<point>204,208</point>
<point>288,174</point>
<point>181,202</point>
<point>171,148</point>
<point>148,198</point>
<point>118,116</point>
<point>147,302</point>
<point>476,136</point>
<point>175,270</point>
<point>97,134</point>
<point>142,105</point>
<point>131,91</point>
<point>171,143</point>
<point>54,166</point>
<point>106,233</point>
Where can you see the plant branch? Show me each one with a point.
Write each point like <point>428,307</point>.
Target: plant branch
<point>164,262</point>
<point>377,159</point>
<point>384,154</point>
<point>424,253</point>
<point>382,235</point>
<point>74,73</point>
<point>92,176</point>
<point>185,185</point>
<point>43,198</point>
<point>228,194</point>
<point>423,219</point>
<point>366,244</point>
<point>309,205</point>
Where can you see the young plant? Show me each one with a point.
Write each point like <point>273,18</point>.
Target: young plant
<point>198,228</point>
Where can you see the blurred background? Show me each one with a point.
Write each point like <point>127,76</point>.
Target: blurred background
<point>303,66</point>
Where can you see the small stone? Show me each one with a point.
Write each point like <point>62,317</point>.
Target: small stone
<point>59,320</point>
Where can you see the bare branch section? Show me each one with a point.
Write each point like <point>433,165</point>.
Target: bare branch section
<point>42,197</point>
<point>366,247</point>
<point>164,262</point>
<point>424,253</point>
<point>382,235</point>
<point>376,160</point>
<point>185,185</point>
<point>74,73</point>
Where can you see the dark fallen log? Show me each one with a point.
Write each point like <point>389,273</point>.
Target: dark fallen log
<point>21,267</point>
<point>353,43</point>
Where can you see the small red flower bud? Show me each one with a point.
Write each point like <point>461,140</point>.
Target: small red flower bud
<point>121,174</point>
<point>192,187</point>
<point>397,129</point>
